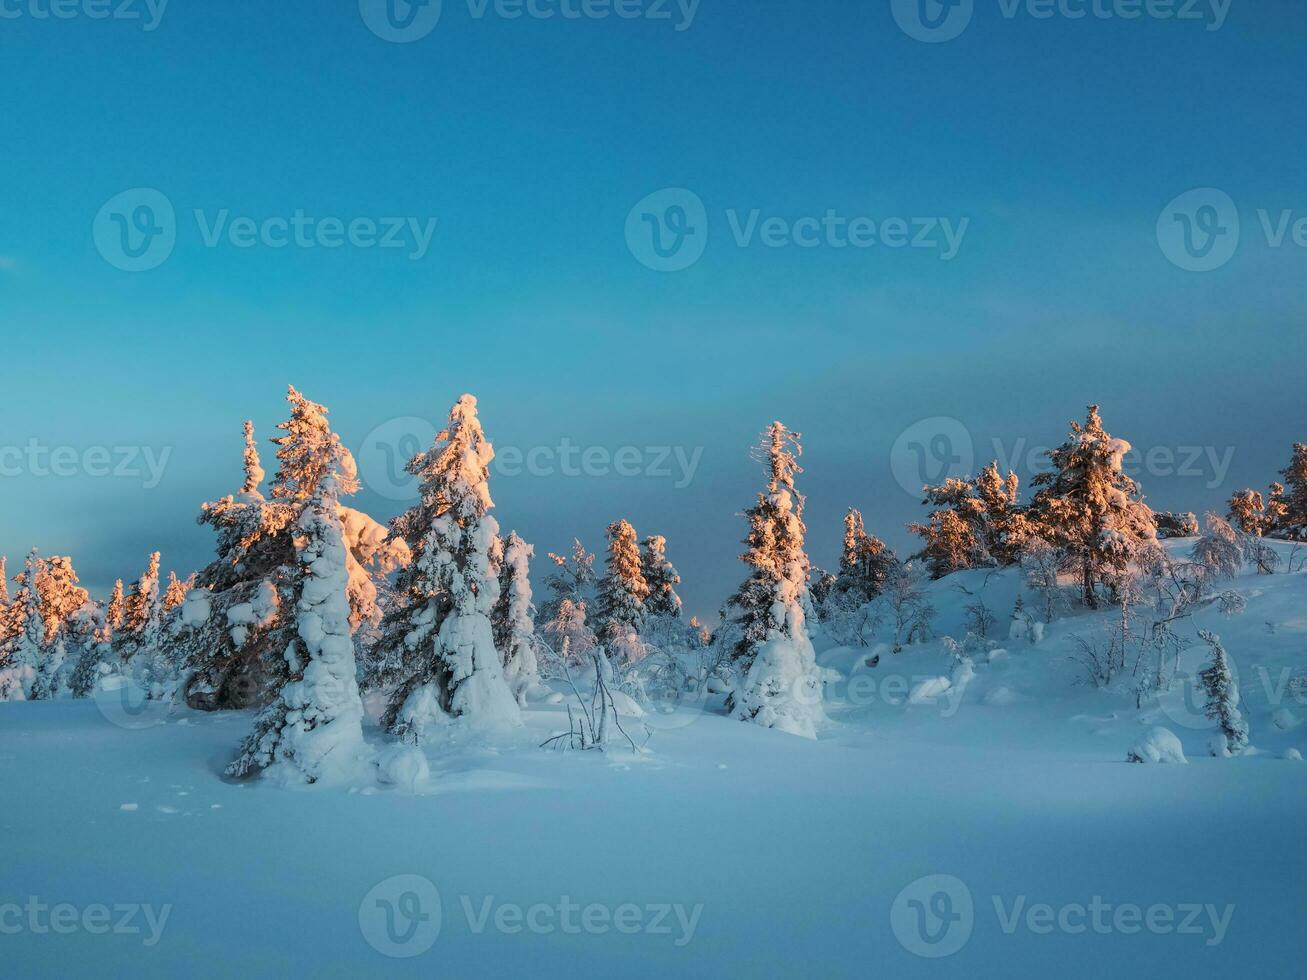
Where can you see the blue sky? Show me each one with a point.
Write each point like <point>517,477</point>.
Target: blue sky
<point>529,141</point>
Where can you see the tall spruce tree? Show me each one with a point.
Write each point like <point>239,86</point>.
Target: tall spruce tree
<point>438,641</point>
<point>622,593</point>
<point>313,728</point>
<point>865,562</point>
<point>1222,700</point>
<point>661,577</point>
<point>1089,509</point>
<point>513,620</point>
<point>779,686</point>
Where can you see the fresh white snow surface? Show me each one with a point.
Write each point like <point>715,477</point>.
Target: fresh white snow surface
<point>775,856</point>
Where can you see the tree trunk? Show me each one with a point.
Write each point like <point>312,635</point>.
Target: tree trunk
<point>1087,573</point>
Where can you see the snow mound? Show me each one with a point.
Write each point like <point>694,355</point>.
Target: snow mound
<point>1159,746</point>
<point>928,690</point>
<point>1284,719</point>
<point>1292,755</point>
<point>404,766</point>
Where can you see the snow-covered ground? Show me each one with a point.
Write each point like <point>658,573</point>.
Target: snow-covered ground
<point>997,822</point>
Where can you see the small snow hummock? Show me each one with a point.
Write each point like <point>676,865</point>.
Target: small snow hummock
<point>1158,746</point>
<point>925,692</point>
<point>1292,755</point>
<point>403,765</point>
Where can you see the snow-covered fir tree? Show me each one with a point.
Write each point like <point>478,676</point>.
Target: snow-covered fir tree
<point>1090,509</point>
<point>438,641</point>
<point>61,600</point>
<point>977,523</point>
<point>175,594</point>
<point>115,613</point>
<point>1222,700</point>
<point>568,637</point>
<point>513,620</point>
<point>144,608</point>
<point>950,543</point>
<point>779,685</point>
<point>622,593</point>
<point>865,562</point>
<point>234,650</point>
<point>661,577</point>
<point>1291,521</point>
<point>570,580</point>
<point>313,729</point>
<point>27,647</point>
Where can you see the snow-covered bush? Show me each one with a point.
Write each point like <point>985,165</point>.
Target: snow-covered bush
<point>1158,745</point>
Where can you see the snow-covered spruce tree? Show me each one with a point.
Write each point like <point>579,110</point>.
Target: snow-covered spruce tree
<point>27,648</point>
<point>513,620</point>
<point>780,685</point>
<point>568,638</point>
<point>438,640</point>
<point>570,581</point>
<point>313,728</point>
<point>622,593</point>
<point>1176,524</point>
<point>175,594</point>
<point>661,577</point>
<point>977,523</point>
<point>234,651</point>
<point>1291,521</point>
<point>115,613</point>
<point>1089,509</point>
<point>61,600</point>
<point>1222,700</point>
<point>865,562</point>
<point>1247,512</point>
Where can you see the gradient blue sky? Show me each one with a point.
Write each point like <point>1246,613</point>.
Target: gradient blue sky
<point>1061,141</point>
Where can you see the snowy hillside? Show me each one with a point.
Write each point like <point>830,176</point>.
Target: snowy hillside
<point>721,849</point>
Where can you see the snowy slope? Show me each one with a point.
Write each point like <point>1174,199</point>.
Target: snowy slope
<point>738,851</point>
